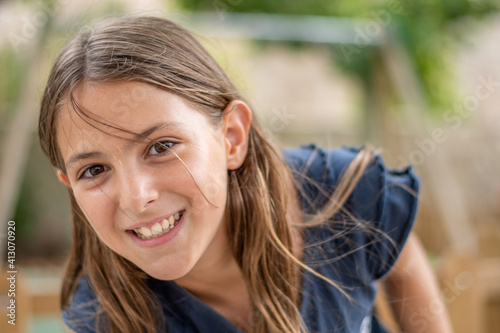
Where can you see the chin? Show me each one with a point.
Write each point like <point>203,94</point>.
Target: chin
<point>165,276</point>
<point>167,272</point>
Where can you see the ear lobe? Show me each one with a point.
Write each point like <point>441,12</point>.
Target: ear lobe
<point>237,120</point>
<point>63,178</point>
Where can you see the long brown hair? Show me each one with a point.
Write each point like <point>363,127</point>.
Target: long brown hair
<point>161,53</point>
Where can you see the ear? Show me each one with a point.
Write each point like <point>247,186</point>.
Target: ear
<point>237,119</point>
<point>63,178</point>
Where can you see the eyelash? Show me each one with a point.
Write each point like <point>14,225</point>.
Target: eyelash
<point>82,175</point>
<point>162,144</point>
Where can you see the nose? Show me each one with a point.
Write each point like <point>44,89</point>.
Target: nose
<point>137,189</point>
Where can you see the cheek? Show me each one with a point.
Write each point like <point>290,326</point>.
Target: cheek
<point>211,178</point>
<point>216,188</point>
<point>98,209</point>
<point>212,196</point>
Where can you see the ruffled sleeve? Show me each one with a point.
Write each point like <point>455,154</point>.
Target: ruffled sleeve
<point>384,203</point>
<point>386,199</point>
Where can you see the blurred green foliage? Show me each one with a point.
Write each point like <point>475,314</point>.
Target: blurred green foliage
<point>12,73</point>
<point>425,28</point>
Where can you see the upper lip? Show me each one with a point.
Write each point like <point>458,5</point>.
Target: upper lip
<point>151,223</point>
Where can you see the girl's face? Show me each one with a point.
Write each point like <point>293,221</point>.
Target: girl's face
<point>140,199</point>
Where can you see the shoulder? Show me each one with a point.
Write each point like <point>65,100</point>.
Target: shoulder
<point>329,165</point>
<point>81,314</point>
<point>312,165</point>
<point>315,161</point>
<point>316,172</point>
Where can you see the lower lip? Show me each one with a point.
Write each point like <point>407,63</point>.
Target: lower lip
<point>152,242</point>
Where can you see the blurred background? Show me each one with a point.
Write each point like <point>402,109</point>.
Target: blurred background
<point>420,80</point>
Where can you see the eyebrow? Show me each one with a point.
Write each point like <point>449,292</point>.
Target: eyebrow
<point>139,137</point>
<point>147,132</point>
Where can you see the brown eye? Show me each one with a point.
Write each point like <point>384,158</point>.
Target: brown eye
<point>160,147</point>
<point>93,171</point>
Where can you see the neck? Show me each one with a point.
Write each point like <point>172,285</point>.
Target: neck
<point>218,282</point>
<point>211,280</point>
<point>215,268</point>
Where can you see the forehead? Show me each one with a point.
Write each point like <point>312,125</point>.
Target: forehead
<point>121,109</point>
<point>126,102</point>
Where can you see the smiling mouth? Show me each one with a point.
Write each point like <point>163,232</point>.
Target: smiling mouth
<point>159,228</point>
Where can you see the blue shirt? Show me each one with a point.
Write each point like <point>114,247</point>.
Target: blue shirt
<point>352,255</point>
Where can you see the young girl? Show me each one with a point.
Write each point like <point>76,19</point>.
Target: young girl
<point>186,219</point>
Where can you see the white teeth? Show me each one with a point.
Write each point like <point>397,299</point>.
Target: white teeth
<point>146,232</point>
<point>156,229</point>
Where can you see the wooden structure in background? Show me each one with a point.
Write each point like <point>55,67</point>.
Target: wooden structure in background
<point>469,284</point>
<point>22,300</point>
<point>31,300</point>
